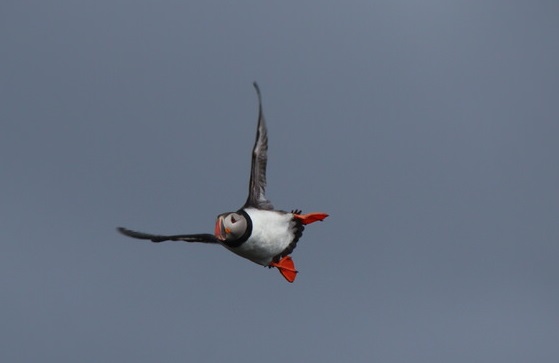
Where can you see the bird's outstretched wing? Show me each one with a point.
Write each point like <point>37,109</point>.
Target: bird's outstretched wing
<point>257,186</point>
<point>204,238</point>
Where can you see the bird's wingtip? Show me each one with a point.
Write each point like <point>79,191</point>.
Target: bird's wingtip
<point>256,87</point>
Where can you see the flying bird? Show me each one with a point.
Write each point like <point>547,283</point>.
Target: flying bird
<point>257,231</point>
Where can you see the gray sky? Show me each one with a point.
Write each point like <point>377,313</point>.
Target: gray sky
<point>428,130</point>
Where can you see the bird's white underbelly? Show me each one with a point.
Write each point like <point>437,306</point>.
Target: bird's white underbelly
<point>272,232</point>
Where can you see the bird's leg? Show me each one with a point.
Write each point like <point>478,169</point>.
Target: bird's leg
<point>286,267</point>
<point>310,217</point>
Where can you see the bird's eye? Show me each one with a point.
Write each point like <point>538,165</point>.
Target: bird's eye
<point>233,220</point>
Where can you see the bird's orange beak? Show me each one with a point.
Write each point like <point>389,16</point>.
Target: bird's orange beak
<point>219,231</point>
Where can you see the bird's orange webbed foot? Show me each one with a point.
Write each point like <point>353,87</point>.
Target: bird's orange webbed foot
<point>286,267</point>
<point>310,217</point>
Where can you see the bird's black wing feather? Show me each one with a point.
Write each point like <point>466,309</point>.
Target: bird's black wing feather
<point>203,238</point>
<point>257,186</point>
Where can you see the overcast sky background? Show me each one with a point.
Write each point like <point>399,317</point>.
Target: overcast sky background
<point>429,130</point>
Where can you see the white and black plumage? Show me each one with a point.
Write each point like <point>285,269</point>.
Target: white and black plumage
<point>256,231</point>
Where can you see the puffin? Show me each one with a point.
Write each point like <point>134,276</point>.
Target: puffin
<point>256,231</point>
